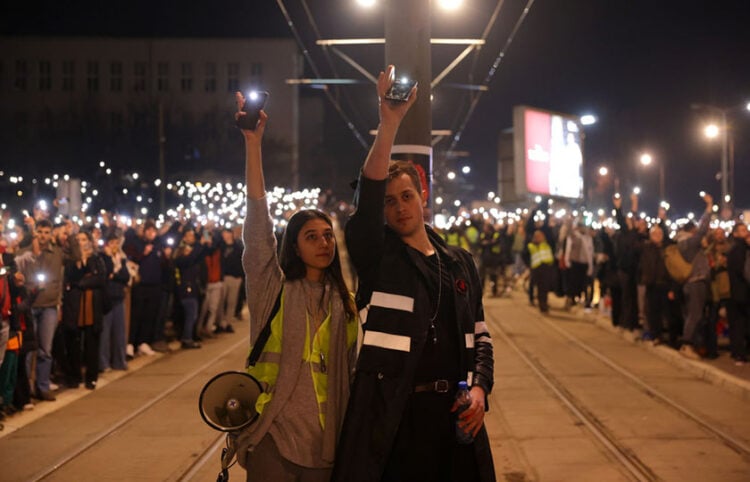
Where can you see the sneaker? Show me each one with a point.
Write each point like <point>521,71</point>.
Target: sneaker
<point>189,345</point>
<point>689,352</point>
<point>28,406</point>
<point>53,386</point>
<point>91,385</point>
<point>228,329</point>
<point>145,349</point>
<point>129,352</point>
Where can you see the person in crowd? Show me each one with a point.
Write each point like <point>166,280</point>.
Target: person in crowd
<point>112,341</point>
<point>632,234</point>
<point>424,331</point>
<point>579,258</point>
<point>231,267</point>
<point>307,360</point>
<point>659,285</point>
<point>84,302</point>
<point>542,264</point>
<point>188,258</point>
<point>8,330</point>
<point>42,269</point>
<point>148,252</point>
<point>517,232</point>
<point>489,261</point>
<point>696,288</point>
<point>211,312</point>
<point>716,249</point>
<point>738,304</point>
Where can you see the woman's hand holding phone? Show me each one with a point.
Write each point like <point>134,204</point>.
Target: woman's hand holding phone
<point>250,116</point>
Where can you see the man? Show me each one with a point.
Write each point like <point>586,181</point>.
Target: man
<point>737,305</point>
<point>231,267</point>
<point>424,331</point>
<point>696,287</point>
<point>147,252</point>
<point>42,264</point>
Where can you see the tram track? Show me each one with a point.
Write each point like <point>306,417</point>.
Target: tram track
<point>625,456</point>
<point>134,415</point>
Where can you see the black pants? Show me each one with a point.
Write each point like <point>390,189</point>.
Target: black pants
<point>629,307</point>
<point>739,328</point>
<point>657,309</point>
<point>146,305</point>
<point>81,345</point>
<point>426,448</point>
<point>543,278</point>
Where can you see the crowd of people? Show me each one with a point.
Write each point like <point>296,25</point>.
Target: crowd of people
<point>368,392</point>
<point>683,287</point>
<point>79,300</point>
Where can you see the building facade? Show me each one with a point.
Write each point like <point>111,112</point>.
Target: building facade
<point>131,101</point>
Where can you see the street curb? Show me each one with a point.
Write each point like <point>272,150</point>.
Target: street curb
<point>702,370</point>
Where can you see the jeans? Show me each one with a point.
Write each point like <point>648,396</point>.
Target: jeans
<point>45,323</point>
<point>232,286</point>
<point>696,293</point>
<point>211,311</point>
<point>112,343</point>
<point>190,307</point>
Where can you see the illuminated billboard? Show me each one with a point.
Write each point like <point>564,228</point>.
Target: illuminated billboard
<point>548,153</point>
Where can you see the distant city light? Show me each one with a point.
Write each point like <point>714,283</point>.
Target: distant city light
<point>711,131</point>
<point>588,119</point>
<point>450,4</point>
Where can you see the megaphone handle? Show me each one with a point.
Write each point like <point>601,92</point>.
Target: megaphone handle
<point>223,476</point>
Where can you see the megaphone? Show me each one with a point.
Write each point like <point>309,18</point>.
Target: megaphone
<point>227,401</point>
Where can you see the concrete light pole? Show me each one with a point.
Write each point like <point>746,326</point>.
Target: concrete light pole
<point>407,47</point>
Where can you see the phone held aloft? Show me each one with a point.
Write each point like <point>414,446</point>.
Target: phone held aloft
<point>400,90</point>
<point>254,102</point>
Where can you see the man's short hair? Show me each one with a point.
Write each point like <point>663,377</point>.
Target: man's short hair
<point>396,168</point>
<point>737,226</point>
<point>43,223</point>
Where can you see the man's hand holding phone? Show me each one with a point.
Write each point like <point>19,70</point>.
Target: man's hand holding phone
<point>393,110</point>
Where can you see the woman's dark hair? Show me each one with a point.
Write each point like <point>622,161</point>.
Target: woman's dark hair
<point>293,266</point>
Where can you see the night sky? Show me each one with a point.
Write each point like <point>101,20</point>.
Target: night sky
<point>637,64</point>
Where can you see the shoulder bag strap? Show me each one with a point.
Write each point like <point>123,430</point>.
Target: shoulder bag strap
<point>260,343</point>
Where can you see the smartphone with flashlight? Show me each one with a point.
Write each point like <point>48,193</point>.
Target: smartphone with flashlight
<point>254,102</point>
<point>4,270</point>
<point>400,89</point>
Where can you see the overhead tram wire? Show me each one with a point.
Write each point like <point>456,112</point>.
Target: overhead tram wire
<point>314,67</point>
<point>490,74</point>
<point>329,60</point>
<point>485,34</point>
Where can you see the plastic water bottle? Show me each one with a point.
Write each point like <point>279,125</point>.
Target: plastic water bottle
<point>463,398</point>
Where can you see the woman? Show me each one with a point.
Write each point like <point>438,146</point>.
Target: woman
<point>113,341</point>
<point>83,310</point>
<point>305,365</point>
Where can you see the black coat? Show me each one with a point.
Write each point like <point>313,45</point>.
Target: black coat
<point>77,280</point>
<point>740,290</point>
<point>384,378</point>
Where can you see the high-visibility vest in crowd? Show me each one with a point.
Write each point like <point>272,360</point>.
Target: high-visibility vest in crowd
<point>540,254</point>
<point>266,369</point>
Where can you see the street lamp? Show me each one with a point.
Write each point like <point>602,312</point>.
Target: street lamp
<point>727,143</point>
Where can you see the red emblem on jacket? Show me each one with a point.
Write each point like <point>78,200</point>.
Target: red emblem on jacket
<point>461,285</point>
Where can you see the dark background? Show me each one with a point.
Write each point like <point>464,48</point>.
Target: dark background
<point>636,64</point>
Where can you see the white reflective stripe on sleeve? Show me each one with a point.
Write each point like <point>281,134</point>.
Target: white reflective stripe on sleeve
<point>388,300</point>
<point>387,340</point>
<point>363,314</point>
<point>470,379</point>
<point>469,340</point>
<point>480,327</point>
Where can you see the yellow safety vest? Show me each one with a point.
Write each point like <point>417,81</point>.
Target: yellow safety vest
<point>540,254</point>
<point>266,369</point>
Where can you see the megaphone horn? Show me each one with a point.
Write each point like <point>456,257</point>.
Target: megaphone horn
<point>227,401</point>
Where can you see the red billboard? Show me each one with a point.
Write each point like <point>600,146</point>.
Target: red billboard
<point>548,153</point>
